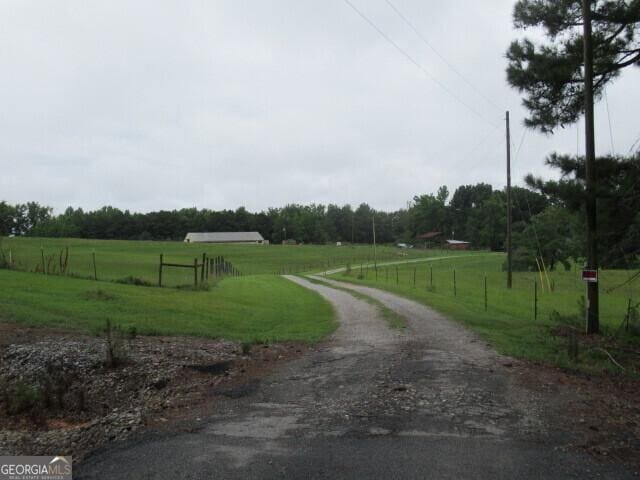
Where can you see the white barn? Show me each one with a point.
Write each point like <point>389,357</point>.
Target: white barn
<point>225,237</point>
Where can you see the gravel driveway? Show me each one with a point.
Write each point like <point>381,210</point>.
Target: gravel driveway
<point>430,401</point>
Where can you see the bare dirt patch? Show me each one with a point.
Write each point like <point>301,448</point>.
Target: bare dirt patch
<point>601,411</point>
<point>57,394</point>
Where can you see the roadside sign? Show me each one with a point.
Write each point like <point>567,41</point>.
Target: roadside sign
<point>590,276</point>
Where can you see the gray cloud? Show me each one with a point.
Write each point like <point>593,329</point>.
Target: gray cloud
<point>155,104</point>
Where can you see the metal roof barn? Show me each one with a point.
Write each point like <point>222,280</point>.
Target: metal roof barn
<point>224,237</point>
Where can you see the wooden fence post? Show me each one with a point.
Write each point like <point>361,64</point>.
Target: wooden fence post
<point>44,267</point>
<point>454,283</point>
<point>204,259</point>
<point>431,276</point>
<point>195,272</point>
<point>485,293</point>
<point>160,272</point>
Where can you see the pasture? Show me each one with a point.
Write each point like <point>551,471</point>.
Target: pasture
<point>256,308</point>
<point>513,321</point>
<point>118,259</point>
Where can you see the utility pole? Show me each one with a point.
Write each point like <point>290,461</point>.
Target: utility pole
<point>593,323</point>
<point>509,260</point>
<point>375,257</point>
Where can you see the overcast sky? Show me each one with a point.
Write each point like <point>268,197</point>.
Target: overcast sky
<point>149,105</point>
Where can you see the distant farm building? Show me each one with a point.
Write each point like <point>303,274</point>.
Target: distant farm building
<point>225,237</point>
<point>458,245</point>
<point>431,239</point>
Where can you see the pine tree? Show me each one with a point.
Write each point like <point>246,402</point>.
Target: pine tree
<point>549,73</point>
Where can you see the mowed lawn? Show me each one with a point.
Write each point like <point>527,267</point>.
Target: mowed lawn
<point>117,259</point>
<point>261,308</point>
<point>508,321</point>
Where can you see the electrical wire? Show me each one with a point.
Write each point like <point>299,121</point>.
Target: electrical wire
<point>442,57</point>
<point>416,63</point>
<point>533,225</point>
<point>606,102</point>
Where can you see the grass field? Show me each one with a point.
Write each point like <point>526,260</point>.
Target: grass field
<point>117,259</point>
<point>259,308</point>
<point>508,322</point>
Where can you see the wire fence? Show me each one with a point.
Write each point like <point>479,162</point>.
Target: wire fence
<point>480,285</point>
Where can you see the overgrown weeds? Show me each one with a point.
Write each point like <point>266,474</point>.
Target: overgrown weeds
<point>116,347</point>
<point>131,280</point>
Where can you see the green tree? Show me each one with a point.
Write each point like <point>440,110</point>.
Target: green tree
<point>618,206</point>
<point>487,223</point>
<point>430,212</point>
<point>363,224</point>
<point>465,199</point>
<point>552,234</point>
<point>7,218</point>
<point>549,73</point>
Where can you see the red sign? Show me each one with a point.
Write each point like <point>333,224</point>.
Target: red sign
<point>590,275</point>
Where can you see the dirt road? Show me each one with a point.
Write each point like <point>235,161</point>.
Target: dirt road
<point>431,401</point>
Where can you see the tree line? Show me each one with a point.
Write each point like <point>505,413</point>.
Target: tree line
<point>547,218</point>
<point>474,213</point>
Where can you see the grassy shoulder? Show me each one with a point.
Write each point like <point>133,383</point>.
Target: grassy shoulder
<point>249,309</point>
<point>508,322</point>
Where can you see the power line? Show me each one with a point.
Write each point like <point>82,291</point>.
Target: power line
<point>442,57</point>
<point>481,142</point>
<point>606,102</point>
<point>524,131</point>
<point>417,64</point>
<point>486,153</point>
<point>532,223</point>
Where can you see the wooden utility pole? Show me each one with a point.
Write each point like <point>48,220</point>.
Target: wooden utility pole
<point>593,323</point>
<point>509,260</point>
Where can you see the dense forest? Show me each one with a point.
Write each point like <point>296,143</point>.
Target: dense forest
<point>547,216</point>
